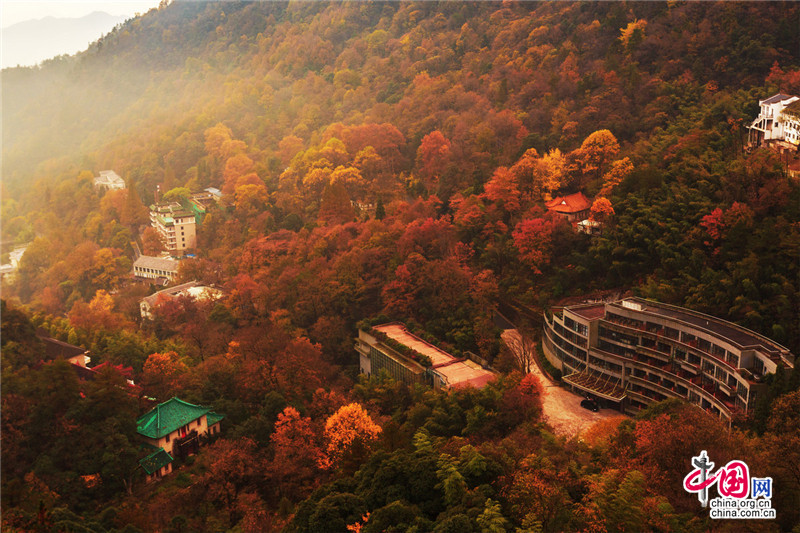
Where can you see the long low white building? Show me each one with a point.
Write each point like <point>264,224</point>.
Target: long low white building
<point>148,267</point>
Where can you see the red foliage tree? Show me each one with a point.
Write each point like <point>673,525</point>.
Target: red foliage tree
<point>533,239</point>
<point>433,158</point>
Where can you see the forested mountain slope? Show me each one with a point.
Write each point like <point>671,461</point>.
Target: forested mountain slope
<point>389,158</point>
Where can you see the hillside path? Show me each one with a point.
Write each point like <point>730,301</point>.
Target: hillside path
<point>562,409</point>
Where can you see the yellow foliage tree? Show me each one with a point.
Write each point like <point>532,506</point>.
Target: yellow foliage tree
<point>538,176</point>
<point>216,137</point>
<point>596,151</point>
<point>98,314</point>
<point>619,171</point>
<point>352,180</point>
<point>633,33</point>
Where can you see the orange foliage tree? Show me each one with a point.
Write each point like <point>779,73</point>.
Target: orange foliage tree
<point>97,314</point>
<point>151,242</point>
<point>348,434</point>
<point>162,374</point>
<point>602,210</point>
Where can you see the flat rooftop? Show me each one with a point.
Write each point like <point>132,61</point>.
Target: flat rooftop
<point>399,333</point>
<point>156,263</point>
<point>465,373</point>
<point>457,372</point>
<point>590,311</point>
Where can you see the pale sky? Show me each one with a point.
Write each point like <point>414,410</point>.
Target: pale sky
<point>13,11</point>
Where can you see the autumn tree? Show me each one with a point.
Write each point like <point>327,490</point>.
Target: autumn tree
<point>433,158</point>
<point>232,469</point>
<point>521,402</point>
<point>235,167</point>
<point>162,374</point>
<point>503,190</point>
<point>596,152</point>
<point>289,146</point>
<point>295,465</point>
<point>178,194</point>
<point>134,212</point>
<point>348,435</point>
<point>538,176</point>
<point>152,243</point>
<point>780,446</point>
<point>666,442</point>
<point>537,494</point>
<point>351,179</point>
<point>251,199</point>
<point>99,313</point>
<point>215,139</point>
<point>601,209</point>
<point>619,170</point>
<point>533,239</point>
<point>336,207</point>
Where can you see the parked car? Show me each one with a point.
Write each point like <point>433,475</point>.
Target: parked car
<point>590,404</point>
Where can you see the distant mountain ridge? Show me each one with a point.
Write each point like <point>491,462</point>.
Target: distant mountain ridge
<point>33,41</point>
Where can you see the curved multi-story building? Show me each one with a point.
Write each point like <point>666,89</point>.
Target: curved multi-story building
<point>634,352</point>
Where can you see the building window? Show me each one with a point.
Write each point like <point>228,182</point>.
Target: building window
<point>741,390</point>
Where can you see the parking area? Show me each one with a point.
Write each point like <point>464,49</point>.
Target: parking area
<point>562,409</point>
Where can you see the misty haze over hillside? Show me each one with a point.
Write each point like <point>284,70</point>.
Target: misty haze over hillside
<point>30,42</point>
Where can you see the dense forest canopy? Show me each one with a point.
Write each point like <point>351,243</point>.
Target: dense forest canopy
<point>388,159</point>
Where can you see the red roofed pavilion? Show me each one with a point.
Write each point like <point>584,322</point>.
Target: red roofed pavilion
<point>573,207</point>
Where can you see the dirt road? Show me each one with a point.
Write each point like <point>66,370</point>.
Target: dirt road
<point>562,409</point>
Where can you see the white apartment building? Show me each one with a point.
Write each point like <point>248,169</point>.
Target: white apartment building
<point>176,225</point>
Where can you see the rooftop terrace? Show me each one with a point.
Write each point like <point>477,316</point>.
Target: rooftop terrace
<point>458,372</point>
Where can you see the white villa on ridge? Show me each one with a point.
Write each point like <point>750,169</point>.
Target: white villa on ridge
<point>778,123</point>
<point>108,180</point>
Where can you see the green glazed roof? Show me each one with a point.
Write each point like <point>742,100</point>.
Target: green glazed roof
<point>169,416</point>
<point>155,461</point>
<point>212,418</point>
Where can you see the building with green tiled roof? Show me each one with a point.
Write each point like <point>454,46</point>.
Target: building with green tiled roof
<point>157,464</point>
<point>214,418</point>
<point>175,426</point>
<point>169,416</point>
